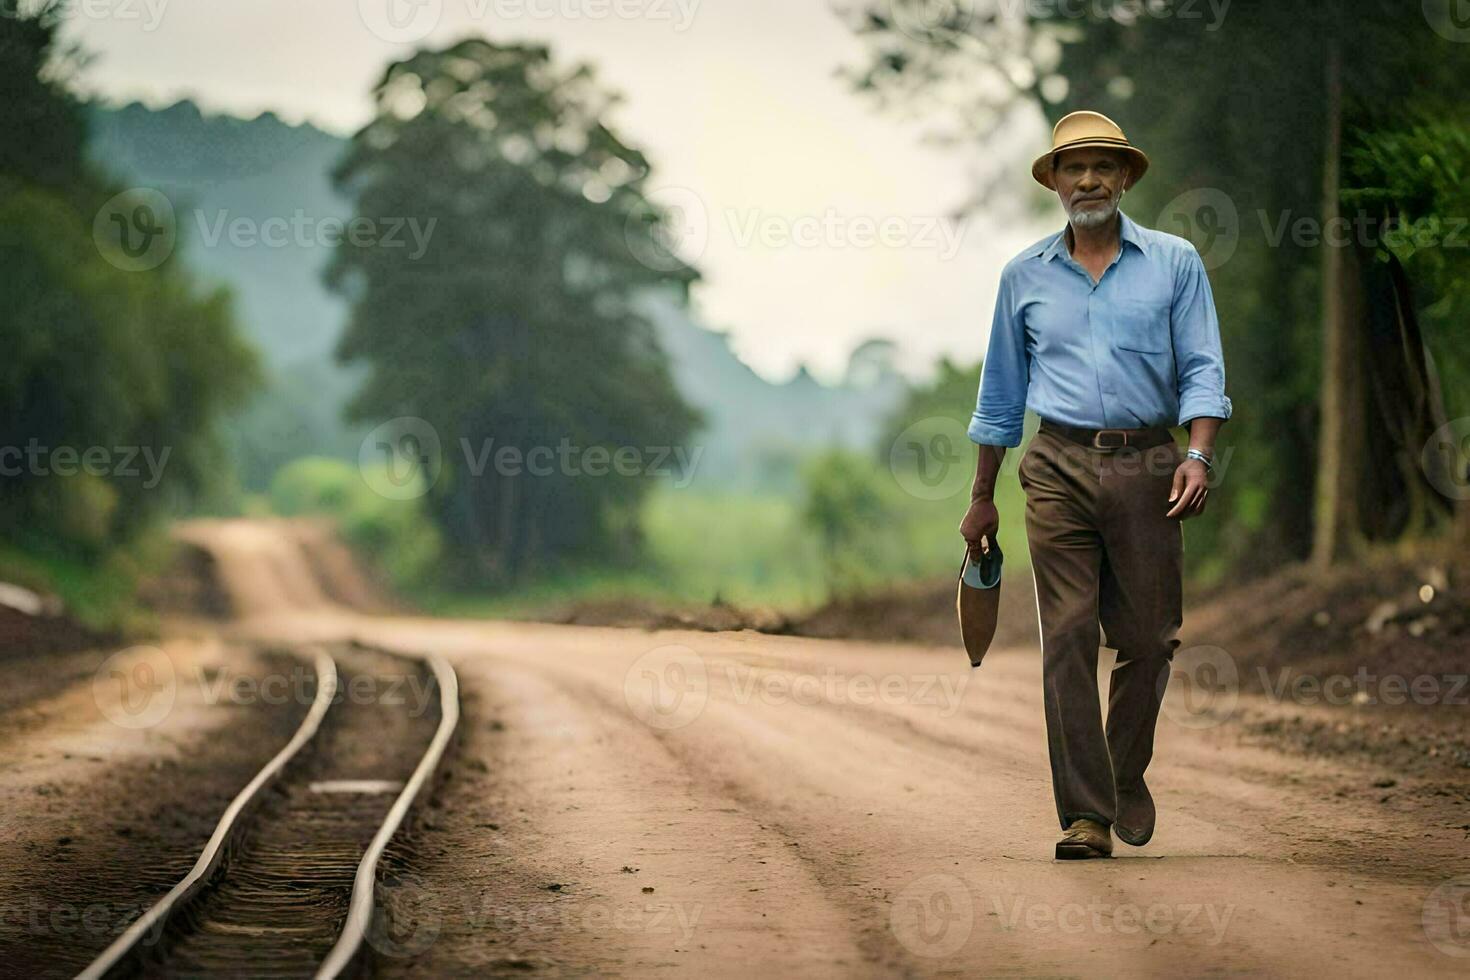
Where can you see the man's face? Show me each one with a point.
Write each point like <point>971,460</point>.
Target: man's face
<point>1089,183</point>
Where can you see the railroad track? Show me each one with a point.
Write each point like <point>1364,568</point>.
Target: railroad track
<point>285,886</point>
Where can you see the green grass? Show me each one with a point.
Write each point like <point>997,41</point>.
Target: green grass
<point>756,550</point>
<point>99,593</point>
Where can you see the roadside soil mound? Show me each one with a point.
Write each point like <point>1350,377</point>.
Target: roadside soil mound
<point>26,635</point>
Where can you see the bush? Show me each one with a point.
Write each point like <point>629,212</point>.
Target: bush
<point>395,536</point>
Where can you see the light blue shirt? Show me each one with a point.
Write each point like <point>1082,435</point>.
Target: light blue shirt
<point>1140,347</point>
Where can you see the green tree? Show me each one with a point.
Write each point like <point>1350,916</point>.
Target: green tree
<point>112,380</point>
<point>1410,178</point>
<point>847,509</point>
<point>950,396</point>
<point>45,132</point>
<point>518,326</point>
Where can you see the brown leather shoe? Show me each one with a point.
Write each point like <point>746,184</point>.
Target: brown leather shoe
<point>1085,839</point>
<point>1135,823</point>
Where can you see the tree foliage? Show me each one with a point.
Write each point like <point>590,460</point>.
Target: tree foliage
<point>846,505</point>
<point>517,328</point>
<point>112,380</point>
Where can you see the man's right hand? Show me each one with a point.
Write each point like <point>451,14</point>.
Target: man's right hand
<point>982,521</point>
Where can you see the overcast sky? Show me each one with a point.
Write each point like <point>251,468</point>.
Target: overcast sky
<point>818,221</point>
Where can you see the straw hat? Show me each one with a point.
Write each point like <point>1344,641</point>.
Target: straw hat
<point>1085,128</point>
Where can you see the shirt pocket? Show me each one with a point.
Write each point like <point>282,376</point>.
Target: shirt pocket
<point>1141,326</point>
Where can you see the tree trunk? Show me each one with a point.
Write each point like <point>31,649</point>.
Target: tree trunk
<point>1339,457</point>
<point>1407,410</point>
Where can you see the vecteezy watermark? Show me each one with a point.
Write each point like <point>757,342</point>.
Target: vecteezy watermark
<point>832,229</point>
<point>1445,459</point>
<point>1365,229</point>
<point>679,14</point>
<point>147,14</point>
<point>1210,12</point>
<point>1161,460</point>
<point>410,916</point>
<point>298,685</point>
<point>667,687</point>
<point>407,21</point>
<point>402,459</point>
<point>1202,687</point>
<point>936,21</point>
<point>748,685</point>
<point>1207,217</point>
<point>127,462</point>
<point>677,920</point>
<point>400,21</point>
<point>933,916</point>
<point>568,459</point>
<point>1114,918</point>
<point>1450,19</point>
<point>1364,687</point>
<point>932,459</point>
<point>673,227</point>
<point>931,21</point>
<point>137,688</point>
<point>135,230</point>
<point>1446,918</point>
<point>301,230</point>
<point>668,230</point>
<point>40,916</point>
<point>407,916</point>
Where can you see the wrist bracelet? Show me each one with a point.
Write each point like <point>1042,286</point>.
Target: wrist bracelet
<point>1197,454</point>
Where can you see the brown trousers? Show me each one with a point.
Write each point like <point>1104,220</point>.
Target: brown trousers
<point>1103,554</point>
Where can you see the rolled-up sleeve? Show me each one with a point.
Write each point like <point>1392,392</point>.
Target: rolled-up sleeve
<point>1000,407</point>
<point>1199,363</point>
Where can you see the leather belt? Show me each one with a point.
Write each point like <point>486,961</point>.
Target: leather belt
<point>1109,440</point>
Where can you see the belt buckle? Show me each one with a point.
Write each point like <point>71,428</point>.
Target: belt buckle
<point>1099,443</point>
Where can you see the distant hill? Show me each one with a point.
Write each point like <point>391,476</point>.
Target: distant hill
<point>755,429</point>
<point>218,168</point>
<point>222,167</point>
<point>258,169</point>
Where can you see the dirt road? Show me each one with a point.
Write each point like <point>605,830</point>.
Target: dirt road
<point>637,803</point>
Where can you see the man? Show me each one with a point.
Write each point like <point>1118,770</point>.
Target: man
<point>1107,331</point>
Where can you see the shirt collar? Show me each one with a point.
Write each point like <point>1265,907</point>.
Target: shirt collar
<point>1128,231</point>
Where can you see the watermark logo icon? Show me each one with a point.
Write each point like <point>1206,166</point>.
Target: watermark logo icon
<point>1444,459</point>
<point>932,20</point>
<point>1202,689</point>
<point>135,231</point>
<point>1446,918</point>
<point>400,21</point>
<point>930,459</point>
<point>402,458</point>
<point>668,229</point>
<point>1207,216</point>
<point>667,687</point>
<point>1450,19</point>
<point>406,919</point>
<point>135,688</point>
<point>933,916</point>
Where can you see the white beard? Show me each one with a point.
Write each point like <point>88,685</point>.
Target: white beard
<point>1092,217</point>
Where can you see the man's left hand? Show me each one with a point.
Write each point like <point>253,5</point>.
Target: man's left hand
<point>1189,492</point>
